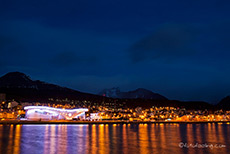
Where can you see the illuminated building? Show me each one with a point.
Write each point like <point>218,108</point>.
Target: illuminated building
<point>50,113</point>
<point>95,116</point>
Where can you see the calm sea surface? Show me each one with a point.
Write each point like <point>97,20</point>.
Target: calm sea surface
<point>127,138</point>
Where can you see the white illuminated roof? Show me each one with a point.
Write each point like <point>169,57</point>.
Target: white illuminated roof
<point>55,109</point>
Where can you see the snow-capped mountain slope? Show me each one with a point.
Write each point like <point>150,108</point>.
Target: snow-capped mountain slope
<point>138,93</point>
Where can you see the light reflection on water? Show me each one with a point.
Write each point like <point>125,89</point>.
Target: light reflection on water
<point>104,138</point>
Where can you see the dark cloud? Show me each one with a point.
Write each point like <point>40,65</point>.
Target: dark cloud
<point>71,58</point>
<point>4,41</point>
<point>171,40</point>
<point>11,51</point>
<point>177,41</point>
<point>217,35</point>
<point>9,45</point>
<point>65,58</point>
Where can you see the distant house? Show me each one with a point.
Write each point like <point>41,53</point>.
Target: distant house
<point>2,97</point>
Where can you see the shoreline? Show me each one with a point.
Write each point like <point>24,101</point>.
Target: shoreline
<point>17,122</point>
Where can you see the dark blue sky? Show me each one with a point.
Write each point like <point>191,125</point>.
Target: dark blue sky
<point>179,49</point>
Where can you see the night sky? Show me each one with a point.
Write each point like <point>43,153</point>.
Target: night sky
<point>179,49</point>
